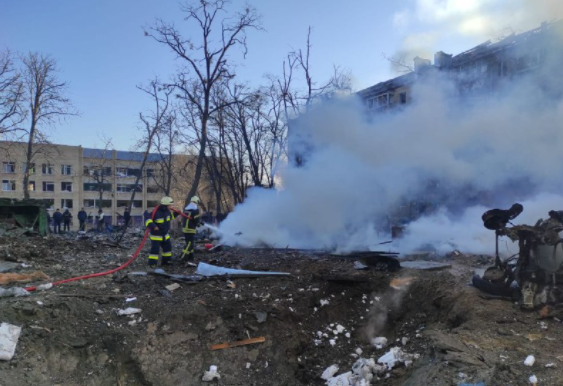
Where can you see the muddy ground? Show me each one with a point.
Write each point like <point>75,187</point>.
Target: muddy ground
<point>72,334</point>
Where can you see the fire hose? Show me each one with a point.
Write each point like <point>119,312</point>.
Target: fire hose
<point>128,262</point>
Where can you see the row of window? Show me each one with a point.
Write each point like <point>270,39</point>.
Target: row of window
<point>385,100</point>
<point>66,170</point>
<point>49,186</point>
<point>47,169</point>
<point>69,204</point>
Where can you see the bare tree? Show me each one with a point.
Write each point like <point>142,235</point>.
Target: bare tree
<point>11,95</point>
<point>99,170</point>
<point>152,122</point>
<point>399,62</point>
<point>207,60</point>
<point>46,103</point>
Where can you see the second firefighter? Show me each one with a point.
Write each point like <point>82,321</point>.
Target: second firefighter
<point>189,226</point>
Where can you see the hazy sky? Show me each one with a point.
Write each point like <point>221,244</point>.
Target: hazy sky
<point>103,54</point>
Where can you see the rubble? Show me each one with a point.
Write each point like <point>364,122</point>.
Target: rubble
<point>329,372</point>
<point>530,360</point>
<point>9,336</point>
<point>211,375</point>
<point>7,278</point>
<point>129,311</point>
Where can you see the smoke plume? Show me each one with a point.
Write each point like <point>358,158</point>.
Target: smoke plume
<point>449,159</point>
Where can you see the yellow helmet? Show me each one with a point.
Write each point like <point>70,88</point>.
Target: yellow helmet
<point>166,201</point>
<point>195,199</point>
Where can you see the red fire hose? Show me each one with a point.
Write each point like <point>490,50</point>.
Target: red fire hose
<point>133,257</point>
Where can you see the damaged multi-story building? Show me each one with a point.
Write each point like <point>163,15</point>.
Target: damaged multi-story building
<point>481,71</point>
<point>75,177</point>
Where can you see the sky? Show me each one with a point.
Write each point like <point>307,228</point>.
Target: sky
<point>102,52</point>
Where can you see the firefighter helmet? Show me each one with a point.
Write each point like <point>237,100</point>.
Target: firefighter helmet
<point>166,201</point>
<point>195,199</point>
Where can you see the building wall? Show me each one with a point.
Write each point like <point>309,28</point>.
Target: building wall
<point>73,157</point>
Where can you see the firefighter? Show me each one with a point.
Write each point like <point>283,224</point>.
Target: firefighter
<point>189,226</point>
<point>159,225</point>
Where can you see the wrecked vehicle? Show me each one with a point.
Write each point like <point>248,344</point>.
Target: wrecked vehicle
<point>534,275</point>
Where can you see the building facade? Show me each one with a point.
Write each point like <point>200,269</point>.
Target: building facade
<point>74,177</point>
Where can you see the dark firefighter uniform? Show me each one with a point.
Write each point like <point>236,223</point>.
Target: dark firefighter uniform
<point>159,226</point>
<point>189,226</point>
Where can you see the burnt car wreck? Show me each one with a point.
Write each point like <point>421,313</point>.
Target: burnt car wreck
<point>533,276</point>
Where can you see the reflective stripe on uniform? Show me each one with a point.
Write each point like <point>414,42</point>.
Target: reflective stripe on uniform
<point>153,257</point>
<point>189,230</point>
<point>148,222</point>
<point>167,237</point>
<point>166,254</point>
<point>159,221</point>
<point>167,218</point>
<point>155,238</point>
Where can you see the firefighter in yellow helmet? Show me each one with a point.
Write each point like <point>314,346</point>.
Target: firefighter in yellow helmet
<point>159,225</point>
<point>189,226</point>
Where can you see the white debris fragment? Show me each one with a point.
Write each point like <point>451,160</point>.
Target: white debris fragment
<point>317,342</point>
<point>319,334</point>
<point>379,342</point>
<point>14,291</point>
<point>340,328</point>
<point>543,325</point>
<point>347,335</point>
<point>332,342</point>
<point>395,356</point>
<point>404,340</point>
<point>40,302</point>
<point>43,287</point>
<point>324,302</point>
<point>462,375</point>
<point>533,380</point>
<point>550,365</point>
<point>210,375</point>
<point>530,360</point>
<point>329,372</point>
<point>247,365</point>
<point>130,300</point>
<point>132,322</point>
<point>331,325</point>
<point>9,335</point>
<point>24,265</point>
<point>129,311</point>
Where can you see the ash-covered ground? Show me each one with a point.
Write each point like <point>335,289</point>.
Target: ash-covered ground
<point>326,313</point>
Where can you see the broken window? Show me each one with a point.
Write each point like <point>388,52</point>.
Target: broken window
<point>8,185</point>
<point>96,187</point>
<point>121,172</point>
<point>66,170</point>
<point>48,186</point>
<point>31,186</point>
<point>48,169</point>
<point>126,188</point>
<point>66,186</point>
<point>66,203</point>
<point>153,189</point>
<point>403,98</point>
<point>96,203</point>
<point>31,168</point>
<point>8,167</point>
<point>125,203</point>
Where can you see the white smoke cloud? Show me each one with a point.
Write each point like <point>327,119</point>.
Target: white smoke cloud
<point>478,20</point>
<point>359,172</point>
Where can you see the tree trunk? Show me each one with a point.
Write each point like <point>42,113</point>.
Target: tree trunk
<point>200,159</point>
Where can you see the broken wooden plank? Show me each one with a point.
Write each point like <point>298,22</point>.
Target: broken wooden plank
<point>245,342</point>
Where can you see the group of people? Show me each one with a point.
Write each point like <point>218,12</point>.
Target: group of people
<point>65,219</point>
<point>159,224</point>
